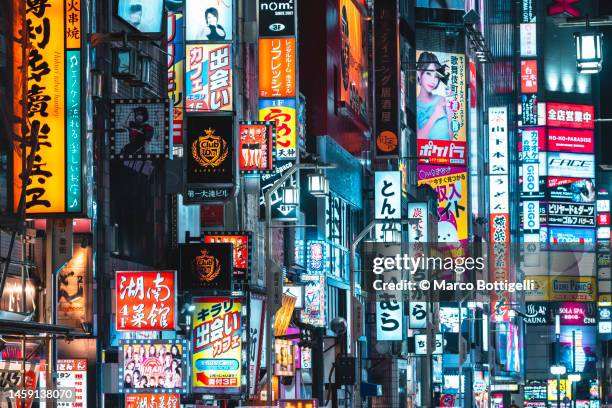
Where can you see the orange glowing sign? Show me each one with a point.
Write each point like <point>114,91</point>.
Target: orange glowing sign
<point>354,82</point>
<point>152,400</point>
<point>277,67</point>
<point>529,76</point>
<point>145,300</point>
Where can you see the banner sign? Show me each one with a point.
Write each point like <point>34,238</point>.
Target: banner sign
<point>217,345</point>
<point>277,67</point>
<point>314,300</point>
<point>145,300</point>
<point>256,146</point>
<point>283,113</point>
<point>531,144</point>
<point>441,152</point>
<point>54,70</point>
<point>576,190</point>
<point>243,248</point>
<point>209,158</point>
<point>206,267</point>
<point>176,73</point>
<point>152,400</point>
<point>570,115</point>
<point>276,18</point>
<point>567,214</point>
<point>208,77</point>
<point>570,140</point>
<point>72,375</point>
<point>571,164</point>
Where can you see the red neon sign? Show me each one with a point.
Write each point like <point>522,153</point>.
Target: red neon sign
<point>564,7</point>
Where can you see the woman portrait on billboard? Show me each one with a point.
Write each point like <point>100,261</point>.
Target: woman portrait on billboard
<point>433,118</point>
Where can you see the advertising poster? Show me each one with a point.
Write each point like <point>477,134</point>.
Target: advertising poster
<point>152,400</point>
<point>354,57</point>
<point>450,183</point>
<point>139,128</point>
<point>206,267</point>
<point>154,366</point>
<point>441,97</point>
<point>72,375</point>
<point>73,288</point>
<point>11,372</point>
<point>571,189</point>
<point>276,18</point>
<point>217,345</point>
<point>284,359</point>
<point>209,20</point>
<point>176,73</point>
<point>54,92</point>
<point>144,15</point>
<point>570,115</point>
<point>314,300</point>
<point>208,78</point>
<point>277,67</point>
<point>145,300</point>
<point>242,242</point>
<point>256,339</point>
<point>283,113</point>
<point>256,146</point>
<point>570,140</point>
<point>209,156</point>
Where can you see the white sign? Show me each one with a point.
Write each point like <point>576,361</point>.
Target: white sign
<point>420,344</point>
<point>498,140</point>
<point>531,178</point>
<point>528,40</point>
<point>571,165</point>
<point>498,194</point>
<point>603,205</point>
<point>387,200</point>
<point>72,377</point>
<point>389,320</point>
<point>531,215</point>
<point>256,320</point>
<point>418,315</point>
<point>603,232</point>
<point>530,146</point>
<point>418,232</point>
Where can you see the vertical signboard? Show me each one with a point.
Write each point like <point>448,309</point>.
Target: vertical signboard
<point>277,67</point>
<point>387,199</point>
<point>256,146</point>
<point>386,80</point>
<point>353,64</point>
<point>72,375</point>
<point>53,109</point>
<point>217,346</point>
<point>176,72</point>
<point>314,300</point>
<point>208,77</point>
<point>256,339</point>
<point>283,113</point>
<point>73,289</point>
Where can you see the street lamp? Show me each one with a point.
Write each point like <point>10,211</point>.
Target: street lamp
<point>274,283</point>
<point>318,185</point>
<point>588,51</point>
<point>558,370</point>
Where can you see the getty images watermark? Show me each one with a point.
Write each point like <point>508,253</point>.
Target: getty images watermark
<point>395,265</point>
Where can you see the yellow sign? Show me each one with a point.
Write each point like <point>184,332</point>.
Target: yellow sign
<point>573,288</point>
<point>541,290</point>
<point>217,345</point>
<point>565,388</point>
<point>282,112</point>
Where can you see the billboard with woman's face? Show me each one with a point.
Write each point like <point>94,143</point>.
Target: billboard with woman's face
<point>209,20</point>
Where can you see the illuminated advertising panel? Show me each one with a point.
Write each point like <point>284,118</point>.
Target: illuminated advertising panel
<point>209,20</point>
<point>570,140</point>
<point>570,115</point>
<point>277,67</point>
<point>353,75</point>
<point>387,200</point>
<point>441,98</point>
<point>73,288</point>
<point>256,146</point>
<point>498,140</point>
<point>139,128</point>
<point>418,315</point>
<point>152,400</point>
<point>243,248</point>
<point>451,185</point>
<point>441,152</point>
<point>276,18</point>
<point>154,365</point>
<point>208,78</point>
<point>531,215</point>
<point>572,189</point>
<point>529,110</point>
<point>581,340</point>
<point>573,288</point>
<point>54,110</point>
<point>577,313</point>
<point>72,375</point>
<point>217,345</point>
<point>144,15</point>
<point>284,358</point>
<point>528,40</point>
<point>576,236</point>
<point>283,113</point>
<point>279,210</point>
<point>317,257</point>
<point>176,72</point>
<point>206,267</point>
<point>529,76</point>
<point>535,390</point>
<point>532,142</point>
<point>314,300</point>
<point>145,300</point>
<point>569,214</point>
<point>576,165</point>
<point>531,178</point>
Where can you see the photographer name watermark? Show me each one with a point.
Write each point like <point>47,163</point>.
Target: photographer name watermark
<point>446,285</point>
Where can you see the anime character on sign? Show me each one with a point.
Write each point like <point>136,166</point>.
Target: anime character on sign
<point>209,150</point>
<point>432,110</point>
<point>208,266</point>
<point>139,131</point>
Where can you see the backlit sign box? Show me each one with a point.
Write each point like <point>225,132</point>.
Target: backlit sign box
<point>570,140</point>
<point>576,165</point>
<point>570,115</point>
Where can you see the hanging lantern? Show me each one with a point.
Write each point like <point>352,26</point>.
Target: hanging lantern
<point>588,52</point>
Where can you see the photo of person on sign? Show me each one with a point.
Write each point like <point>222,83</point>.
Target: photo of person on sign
<point>433,117</point>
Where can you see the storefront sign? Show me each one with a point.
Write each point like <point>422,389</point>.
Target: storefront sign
<point>242,242</point>
<point>283,113</point>
<point>580,238</point>
<point>537,313</point>
<point>529,110</point>
<point>531,140</point>
<point>531,215</point>
<point>54,109</point>
<point>573,288</point>
<point>418,315</point>
<point>314,300</point>
<point>567,214</point>
<point>278,210</point>
<point>208,77</point>
<point>389,320</point>
<point>529,76</point>
<point>387,200</point>
<point>73,291</point>
<point>72,377</point>
<point>143,365</point>
<point>11,378</point>
<point>145,300</point>
<point>577,314</point>
<point>256,146</point>
<point>277,67</point>
<point>531,178</point>
<point>152,400</point>
<point>570,115</point>
<point>217,346</point>
<point>441,152</point>
<point>298,404</point>
<point>276,18</point>
<point>206,267</point>
<point>570,140</point>
<point>576,165</point>
<point>256,338</point>
<point>317,258</point>
<point>535,390</point>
